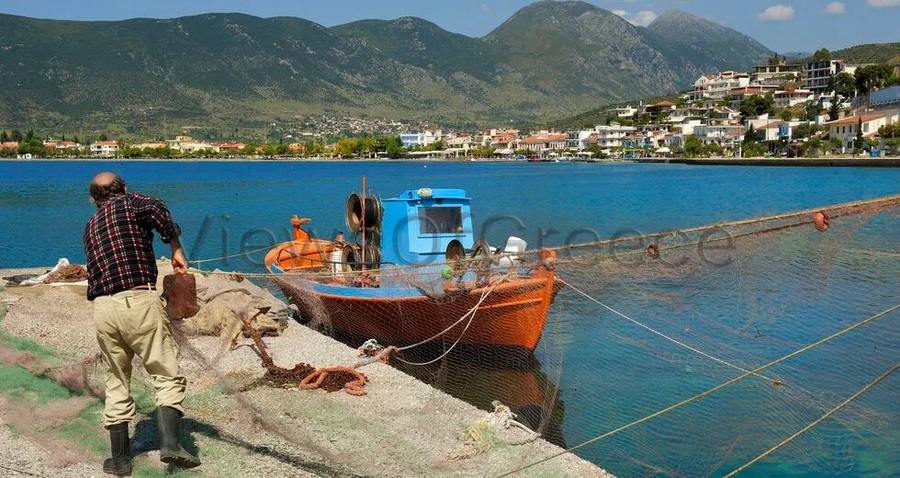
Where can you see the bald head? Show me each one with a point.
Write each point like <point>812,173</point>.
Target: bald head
<point>106,185</point>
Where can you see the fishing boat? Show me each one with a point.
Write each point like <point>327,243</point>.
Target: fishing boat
<point>413,272</point>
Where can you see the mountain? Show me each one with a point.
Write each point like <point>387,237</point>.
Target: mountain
<point>225,73</point>
<point>722,47</point>
<point>868,53</point>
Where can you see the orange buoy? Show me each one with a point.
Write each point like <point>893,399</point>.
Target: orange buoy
<point>821,221</point>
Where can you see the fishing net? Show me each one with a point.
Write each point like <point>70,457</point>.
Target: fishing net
<point>683,353</point>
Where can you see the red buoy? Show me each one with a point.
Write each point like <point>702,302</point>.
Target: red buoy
<point>821,221</point>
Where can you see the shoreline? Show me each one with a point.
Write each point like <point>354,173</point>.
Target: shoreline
<point>886,162</point>
<point>826,161</point>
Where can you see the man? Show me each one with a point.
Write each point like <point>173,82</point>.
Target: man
<point>129,316</point>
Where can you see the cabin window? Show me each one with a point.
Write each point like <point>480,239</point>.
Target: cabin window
<point>440,220</point>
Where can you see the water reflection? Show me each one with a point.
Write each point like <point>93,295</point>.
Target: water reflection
<point>482,376</point>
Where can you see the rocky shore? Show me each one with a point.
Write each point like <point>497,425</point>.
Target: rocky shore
<point>401,427</point>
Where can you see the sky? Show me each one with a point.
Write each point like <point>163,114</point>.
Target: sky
<point>781,25</point>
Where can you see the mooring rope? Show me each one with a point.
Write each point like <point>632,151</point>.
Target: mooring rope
<point>654,331</point>
<point>707,392</point>
<point>814,423</point>
<point>230,256</point>
<point>887,201</point>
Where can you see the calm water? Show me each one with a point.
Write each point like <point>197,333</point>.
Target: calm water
<point>227,208</point>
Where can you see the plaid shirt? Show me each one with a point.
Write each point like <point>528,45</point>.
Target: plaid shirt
<point>118,242</point>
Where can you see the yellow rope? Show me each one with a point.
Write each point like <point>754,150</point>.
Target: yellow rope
<point>814,423</point>
<point>707,392</point>
<point>230,256</point>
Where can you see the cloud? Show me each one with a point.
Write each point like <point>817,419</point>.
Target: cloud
<point>883,3</point>
<point>779,13</point>
<point>486,9</point>
<point>835,8</point>
<point>641,19</point>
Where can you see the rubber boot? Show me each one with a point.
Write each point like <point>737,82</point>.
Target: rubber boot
<point>168,420</point>
<point>120,445</point>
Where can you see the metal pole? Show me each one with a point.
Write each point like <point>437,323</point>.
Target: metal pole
<point>362,225</point>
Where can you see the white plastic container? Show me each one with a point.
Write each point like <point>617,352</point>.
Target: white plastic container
<point>513,245</point>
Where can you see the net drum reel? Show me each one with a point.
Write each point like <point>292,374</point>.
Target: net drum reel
<point>354,213</point>
<point>363,217</point>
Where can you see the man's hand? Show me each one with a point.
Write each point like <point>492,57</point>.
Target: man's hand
<point>179,263</point>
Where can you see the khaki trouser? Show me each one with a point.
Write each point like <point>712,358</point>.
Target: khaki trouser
<point>134,322</point>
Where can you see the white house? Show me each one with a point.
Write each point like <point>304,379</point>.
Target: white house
<point>611,136</point>
<point>788,98</point>
<point>105,149</point>
<point>622,111</point>
<point>846,129</point>
<point>413,140</point>
<point>718,86</point>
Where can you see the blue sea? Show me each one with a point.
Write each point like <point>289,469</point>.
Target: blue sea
<point>231,212</point>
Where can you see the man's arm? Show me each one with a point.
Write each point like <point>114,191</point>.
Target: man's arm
<point>179,263</point>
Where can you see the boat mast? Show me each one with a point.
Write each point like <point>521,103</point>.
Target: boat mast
<point>362,224</point>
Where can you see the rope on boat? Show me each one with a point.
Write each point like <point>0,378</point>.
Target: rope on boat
<point>814,423</point>
<point>670,339</point>
<point>471,316</point>
<point>709,391</point>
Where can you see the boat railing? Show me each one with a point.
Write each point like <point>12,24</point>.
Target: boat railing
<point>478,269</point>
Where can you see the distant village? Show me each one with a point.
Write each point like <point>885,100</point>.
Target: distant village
<point>819,107</point>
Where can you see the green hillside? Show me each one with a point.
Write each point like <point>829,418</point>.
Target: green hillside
<point>224,73</point>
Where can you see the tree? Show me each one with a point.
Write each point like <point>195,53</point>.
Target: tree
<point>813,110</point>
<point>872,143</point>
<point>858,144</point>
<point>844,85</point>
<point>757,105</point>
<point>4,137</point>
<point>835,110</point>
<point>752,149</point>
<point>822,55</point>
<point>890,131</point>
<point>345,147</point>
<point>692,146</point>
<point>16,135</point>
<point>393,147</point>
<point>711,148</point>
<point>786,115</point>
<point>806,130</point>
<point>834,143</point>
<point>750,135</point>
<point>812,147</point>
<point>872,77</point>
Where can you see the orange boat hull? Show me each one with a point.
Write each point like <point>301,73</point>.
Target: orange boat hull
<point>509,314</point>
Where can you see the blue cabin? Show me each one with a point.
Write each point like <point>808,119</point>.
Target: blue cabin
<point>422,226</point>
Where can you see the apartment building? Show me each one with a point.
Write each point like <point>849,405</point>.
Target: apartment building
<point>818,74</point>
